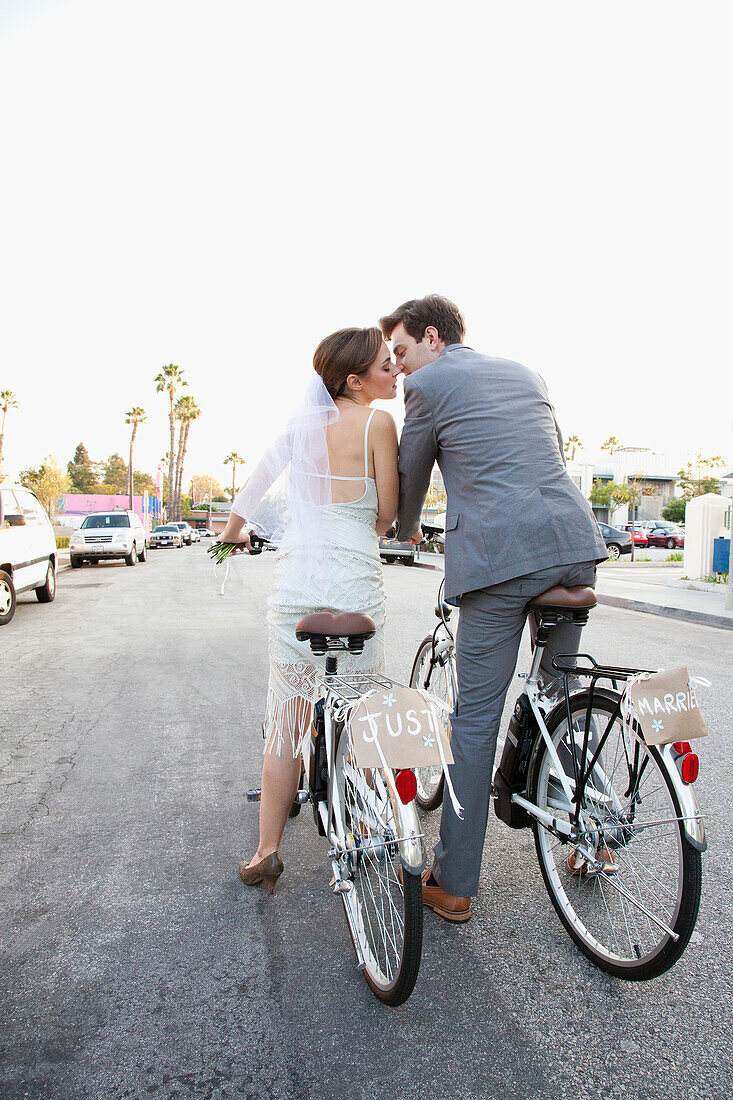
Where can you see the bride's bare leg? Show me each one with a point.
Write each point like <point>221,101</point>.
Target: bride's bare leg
<point>280,778</point>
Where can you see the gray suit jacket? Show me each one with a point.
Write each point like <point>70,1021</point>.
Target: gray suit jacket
<point>512,507</point>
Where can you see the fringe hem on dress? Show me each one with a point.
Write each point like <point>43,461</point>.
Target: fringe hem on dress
<point>289,719</point>
<point>289,714</point>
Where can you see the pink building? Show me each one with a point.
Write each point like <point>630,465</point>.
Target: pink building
<point>74,506</point>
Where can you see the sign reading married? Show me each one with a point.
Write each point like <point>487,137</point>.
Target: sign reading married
<point>406,724</point>
<point>665,706</point>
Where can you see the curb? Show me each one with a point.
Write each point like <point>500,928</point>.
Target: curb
<point>723,622</point>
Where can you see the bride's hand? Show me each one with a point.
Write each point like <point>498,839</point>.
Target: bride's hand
<point>240,541</point>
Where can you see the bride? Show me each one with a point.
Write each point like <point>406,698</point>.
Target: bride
<point>338,459</point>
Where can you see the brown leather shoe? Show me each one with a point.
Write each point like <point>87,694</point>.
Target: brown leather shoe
<point>447,906</point>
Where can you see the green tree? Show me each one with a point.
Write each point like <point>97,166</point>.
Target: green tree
<point>48,482</point>
<point>171,380</point>
<point>674,510</point>
<point>144,482</point>
<point>696,477</point>
<point>134,416</point>
<point>115,474</point>
<point>7,401</point>
<point>235,460</point>
<point>609,494</point>
<point>82,471</point>
<point>202,485</point>
<point>611,444</point>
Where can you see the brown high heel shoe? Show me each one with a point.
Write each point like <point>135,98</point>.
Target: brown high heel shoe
<point>267,870</point>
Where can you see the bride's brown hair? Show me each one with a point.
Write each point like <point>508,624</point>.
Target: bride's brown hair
<point>348,351</point>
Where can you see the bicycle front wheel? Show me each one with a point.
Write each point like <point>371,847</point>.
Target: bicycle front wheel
<point>436,678</point>
<point>383,901</point>
<point>627,887</point>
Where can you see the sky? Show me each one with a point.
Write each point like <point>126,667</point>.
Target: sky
<point>220,185</point>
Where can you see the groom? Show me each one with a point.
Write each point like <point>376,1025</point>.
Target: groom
<point>515,526</point>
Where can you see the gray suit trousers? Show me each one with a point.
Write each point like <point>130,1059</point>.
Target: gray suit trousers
<point>487,643</point>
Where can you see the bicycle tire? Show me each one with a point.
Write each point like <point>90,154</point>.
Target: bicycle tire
<point>430,781</point>
<point>580,901</point>
<point>391,957</point>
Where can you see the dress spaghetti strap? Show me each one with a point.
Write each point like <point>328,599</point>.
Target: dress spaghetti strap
<point>366,443</point>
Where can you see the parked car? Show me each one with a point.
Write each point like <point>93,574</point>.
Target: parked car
<point>27,549</point>
<point>391,550</point>
<point>664,536</point>
<point>166,534</point>
<point>206,533</point>
<point>185,529</point>
<point>195,534</point>
<point>617,542</point>
<point>639,533</point>
<point>107,536</point>
<point>650,525</point>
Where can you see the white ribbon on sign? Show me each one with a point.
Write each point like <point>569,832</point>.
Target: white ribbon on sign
<point>432,700</point>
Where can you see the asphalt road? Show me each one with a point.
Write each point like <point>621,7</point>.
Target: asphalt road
<point>135,964</point>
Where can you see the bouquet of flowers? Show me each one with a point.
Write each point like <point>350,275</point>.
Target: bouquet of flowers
<point>220,551</point>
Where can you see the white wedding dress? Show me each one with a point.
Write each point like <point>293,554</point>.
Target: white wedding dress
<point>354,583</point>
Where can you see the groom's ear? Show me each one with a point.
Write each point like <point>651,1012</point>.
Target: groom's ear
<point>431,336</point>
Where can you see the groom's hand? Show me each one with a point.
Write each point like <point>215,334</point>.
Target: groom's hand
<point>418,537</point>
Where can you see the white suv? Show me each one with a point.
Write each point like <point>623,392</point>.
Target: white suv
<point>27,549</point>
<point>104,536</point>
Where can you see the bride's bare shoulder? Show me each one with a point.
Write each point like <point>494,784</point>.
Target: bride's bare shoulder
<point>383,425</point>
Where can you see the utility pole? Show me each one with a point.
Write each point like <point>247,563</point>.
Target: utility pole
<point>729,602</point>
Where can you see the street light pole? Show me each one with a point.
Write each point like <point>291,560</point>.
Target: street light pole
<point>211,493</point>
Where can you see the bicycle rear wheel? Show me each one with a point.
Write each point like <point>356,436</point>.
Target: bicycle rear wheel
<point>634,918</point>
<point>383,900</point>
<point>436,679</point>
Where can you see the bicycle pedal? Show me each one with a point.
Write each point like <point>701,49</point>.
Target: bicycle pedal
<point>302,797</point>
<point>254,795</point>
<point>342,887</point>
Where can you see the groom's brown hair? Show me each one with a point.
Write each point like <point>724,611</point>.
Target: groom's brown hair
<point>420,313</point>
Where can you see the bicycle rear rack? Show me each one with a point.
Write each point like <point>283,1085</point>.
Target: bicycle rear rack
<point>582,770</point>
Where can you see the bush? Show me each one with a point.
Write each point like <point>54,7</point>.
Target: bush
<point>674,510</point>
<point>676,555</point>
<point>61,543</point>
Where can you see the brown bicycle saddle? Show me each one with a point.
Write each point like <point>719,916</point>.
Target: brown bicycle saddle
<point>331,624</point>
<point>578,598</point>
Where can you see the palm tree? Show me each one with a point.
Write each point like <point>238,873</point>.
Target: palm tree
<point>571,445</point>
<point>236,460</point>
<point>186,411</point>
<point>135,416</point>
<point>611,444</point>
<point>170,378</point>
<point>7,401</point>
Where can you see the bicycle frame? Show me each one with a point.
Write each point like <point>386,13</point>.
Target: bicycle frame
<point>336,691</point>
<point>690,815</point>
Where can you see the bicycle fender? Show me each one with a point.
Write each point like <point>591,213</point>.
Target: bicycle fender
<point>692,824</point>
<point>412,852</point>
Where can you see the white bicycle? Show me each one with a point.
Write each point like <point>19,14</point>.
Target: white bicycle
<point>617,826</point>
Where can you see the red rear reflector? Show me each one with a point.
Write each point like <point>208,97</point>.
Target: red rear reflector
<point>406,785</point>
<point>690,768</point>
<point>682,747</point>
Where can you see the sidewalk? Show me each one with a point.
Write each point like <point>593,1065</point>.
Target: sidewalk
<point>659,590</point>
<point>655,588</point>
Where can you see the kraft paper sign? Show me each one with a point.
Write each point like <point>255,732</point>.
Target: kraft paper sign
<point>407,726</point>
<point>666,707</point>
